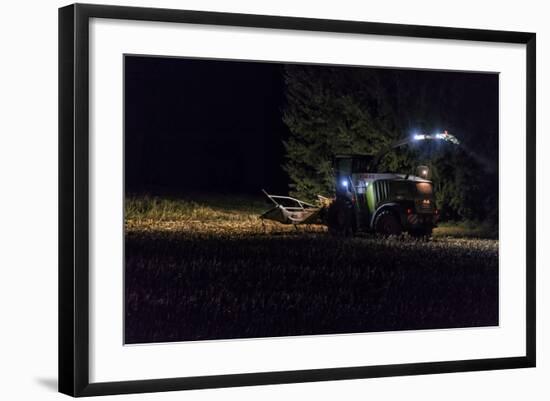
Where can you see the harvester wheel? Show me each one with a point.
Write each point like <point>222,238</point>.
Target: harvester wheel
<point>340,218</point>
<point>387,224</point>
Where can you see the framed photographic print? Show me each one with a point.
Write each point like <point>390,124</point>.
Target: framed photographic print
<point>250,199</point>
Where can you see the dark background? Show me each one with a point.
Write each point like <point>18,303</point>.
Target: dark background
<point>203,125</point>
<point>216,126</point>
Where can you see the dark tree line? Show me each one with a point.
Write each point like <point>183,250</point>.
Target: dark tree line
<point>331,110</point>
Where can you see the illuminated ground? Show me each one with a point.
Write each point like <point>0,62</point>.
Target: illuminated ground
<point>198,271</point>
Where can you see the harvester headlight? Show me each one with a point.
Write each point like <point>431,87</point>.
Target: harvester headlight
<point>345,183</point>
<point>423,172</point>
<point>419,137</point>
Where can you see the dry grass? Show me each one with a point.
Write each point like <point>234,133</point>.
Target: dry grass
<point>465,230</point>
<point>208,215</point>
<point>238,216</point>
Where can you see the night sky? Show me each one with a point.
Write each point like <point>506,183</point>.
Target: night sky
<point>216,126</point>
<point>203,125</point>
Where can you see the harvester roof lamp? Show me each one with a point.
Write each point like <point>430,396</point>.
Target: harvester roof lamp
<point>445,136</point>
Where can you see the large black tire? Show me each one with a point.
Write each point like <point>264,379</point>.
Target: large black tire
<point>387,224</point>
<point>341,218</point>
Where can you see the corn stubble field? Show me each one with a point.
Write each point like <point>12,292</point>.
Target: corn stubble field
<point>208,268</point>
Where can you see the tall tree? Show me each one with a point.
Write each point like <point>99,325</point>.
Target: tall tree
<point>328,113</point>
<point>331,110</point>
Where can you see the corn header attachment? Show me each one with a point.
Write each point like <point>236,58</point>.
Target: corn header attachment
<point>288,210</point>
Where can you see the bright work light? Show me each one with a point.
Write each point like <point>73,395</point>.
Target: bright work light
<point>445,136</point>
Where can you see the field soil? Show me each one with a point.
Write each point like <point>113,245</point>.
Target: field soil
<point>210,269</point>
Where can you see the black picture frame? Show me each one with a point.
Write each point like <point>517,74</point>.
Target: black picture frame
<point>74,200</point>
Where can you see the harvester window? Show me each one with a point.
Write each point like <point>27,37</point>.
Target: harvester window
<point>361,164</point>
<point>343,167</point>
